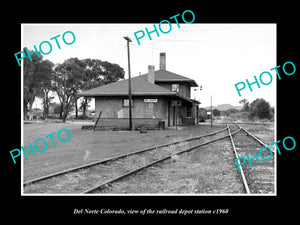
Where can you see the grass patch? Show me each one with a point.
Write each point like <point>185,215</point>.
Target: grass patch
<point>86,145</point>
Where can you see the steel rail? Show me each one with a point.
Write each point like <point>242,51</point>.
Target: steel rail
<point>256,138</point>
<point>258,124</point>
<point>254,123</point>
<point>114,158</point>
<point>237,156</point>
<point>107,183</point>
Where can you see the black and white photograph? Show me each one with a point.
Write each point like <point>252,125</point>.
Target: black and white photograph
<point>178,114</point>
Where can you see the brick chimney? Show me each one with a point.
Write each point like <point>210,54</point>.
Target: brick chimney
<point>151,74</point>
<point>162,61</point>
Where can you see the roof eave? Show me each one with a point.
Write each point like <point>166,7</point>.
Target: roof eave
<point>191,82</point>
<point>125,94</point>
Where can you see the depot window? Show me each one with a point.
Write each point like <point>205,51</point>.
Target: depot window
<point>189,112</point>
<point>126,103</point>
<point>175,87</point>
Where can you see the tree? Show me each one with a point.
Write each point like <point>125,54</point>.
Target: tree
<point>98,73</point>
<point>245,104</point>
<point>216,112</point>
<point>260,108</point>
<point>31,82</point>
<point>112,72</point>
<point>45,73</point>
<point>67,81</point>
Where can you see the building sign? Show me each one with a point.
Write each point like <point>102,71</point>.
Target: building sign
<point>151,100</point>
<point>175,103</point>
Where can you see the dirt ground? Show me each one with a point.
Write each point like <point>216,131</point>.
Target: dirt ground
<point>86,145</point>
<point>206,170</point>
<point>266,133</point>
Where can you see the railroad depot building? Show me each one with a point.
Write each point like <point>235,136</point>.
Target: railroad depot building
<point>156,96</point>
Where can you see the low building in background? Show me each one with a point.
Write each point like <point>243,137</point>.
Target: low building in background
<point>158,97</point>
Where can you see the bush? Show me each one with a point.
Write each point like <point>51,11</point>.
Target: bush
<point>54,108</point>
<point>231,111</point>
<point>202,114</point>
<point>216,112</point>
<point>260,109</point>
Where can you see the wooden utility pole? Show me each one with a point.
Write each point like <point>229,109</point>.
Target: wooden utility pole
<point>176,116</point>
<point>129,84</point>
<point>211,111</point>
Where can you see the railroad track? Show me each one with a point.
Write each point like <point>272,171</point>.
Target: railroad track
<point>96,175</point>
<point>257,181</point>
<point>99,176</point>
<point>260,177</point>
<point>216,136</point>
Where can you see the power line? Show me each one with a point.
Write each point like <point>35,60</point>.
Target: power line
<point>178,40</point>
<point>212,41</point>
<point>167,50</point>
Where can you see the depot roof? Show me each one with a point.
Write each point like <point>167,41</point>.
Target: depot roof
<point>141,87</point>
<point>167,76</point>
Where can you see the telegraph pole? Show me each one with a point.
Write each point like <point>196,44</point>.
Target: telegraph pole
<point>211,111</point>
<point>129,84</point>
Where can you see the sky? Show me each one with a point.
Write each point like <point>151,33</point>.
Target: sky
<point>216,56</point>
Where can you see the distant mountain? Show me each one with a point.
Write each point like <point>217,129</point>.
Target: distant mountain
<point>224,107</point>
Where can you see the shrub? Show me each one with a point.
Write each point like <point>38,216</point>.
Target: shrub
<point>260,108</point>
